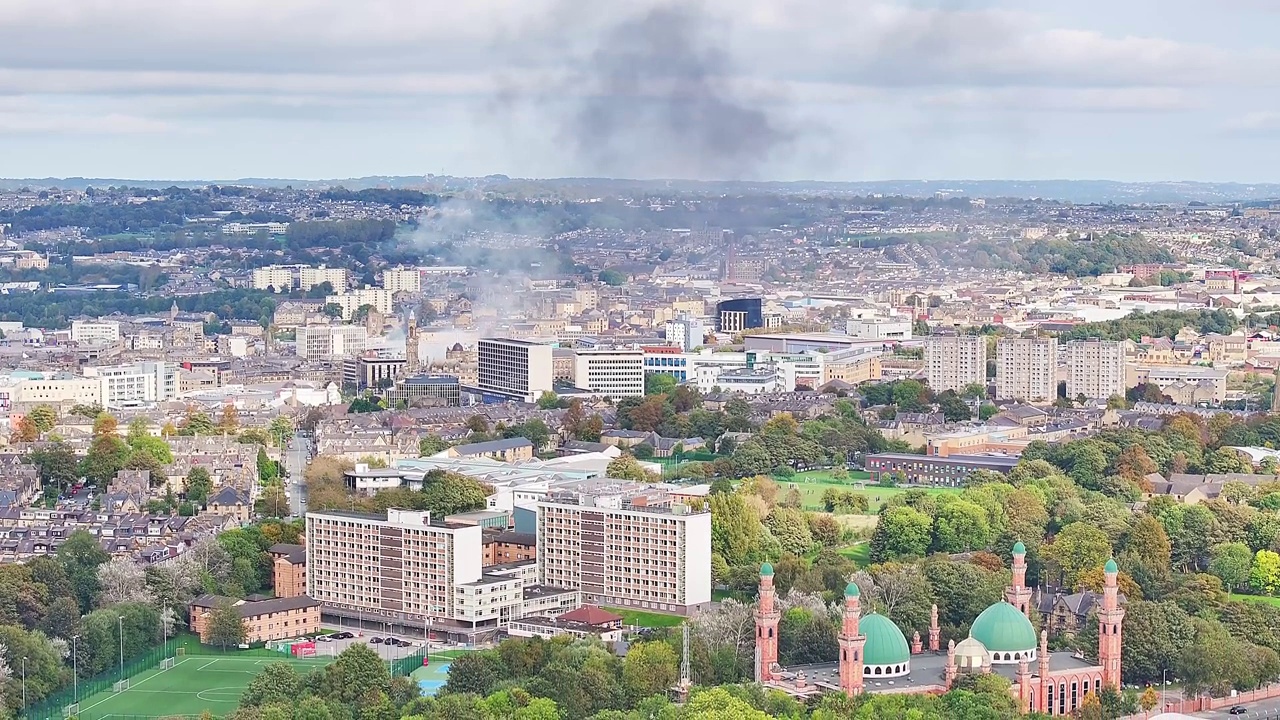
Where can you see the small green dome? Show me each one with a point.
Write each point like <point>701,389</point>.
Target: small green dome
<point>766,569</point>
<point>1019,548</point>
<point>1111,566</point>
<point>1001,628</point>
<point>851,590</point>
<point>886,645</point>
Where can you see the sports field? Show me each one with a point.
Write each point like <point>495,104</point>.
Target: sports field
<point>194,684</point>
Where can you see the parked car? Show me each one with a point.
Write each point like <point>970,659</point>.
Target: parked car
<point>323,638</point>
<point>1238,710</point>
<point>375,640</point>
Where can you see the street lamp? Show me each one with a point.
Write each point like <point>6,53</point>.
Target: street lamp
<point>24,683</point>
<point>120,622</point>
<point>75,670</point>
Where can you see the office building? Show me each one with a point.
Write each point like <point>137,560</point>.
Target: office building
<point>60,389</point>
<point>853,366</point>
<point>613,373</point>
<point>95,333</point>
<point>427,391</point>
<point>879,328</point>
<point>371,370</point>
<point>330,342</point>
<point>626,545</point>
<point>1027,369</point>
<point>377,298</point>
<point>1095,368</point>
<point>136,384</point>
<point>734,316</point>
<point>686,332</point>
<point>309,277</point>
<point>277,278</point>
<point>402,279</point>
<point>513,369</point>
<point>954,362</point>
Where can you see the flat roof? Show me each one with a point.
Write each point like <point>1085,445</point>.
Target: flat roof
<point>1004,460</point>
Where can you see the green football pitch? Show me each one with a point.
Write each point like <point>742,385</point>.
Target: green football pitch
<point>194,684</point>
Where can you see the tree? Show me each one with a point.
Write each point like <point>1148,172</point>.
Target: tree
<point>107,454</point>
<point>199,485</point>
<point>81,555</point>
<point>548,400</point>
<point>901,532</point>
<point>1264,575</point>
<point>1134,464</point>
<point>791,529</point>
<point>659,383</point>
<point>627,467</point>
<point>961,526</point>
<point>477,673</point>
<point>649,668</point>
<point>447,493</point>
<point>953,408</point>
<point>1079,547</point>
<point>24,431</point>
<point>1231,563</point>
<point>736,530</point>
<point>121,580</point>
<point>643,451</point>
<point>431,444</point>
<point>281,430</point>
<point>57,463</point>
<point>225,627</point>
<point>1226,460</point>
<point>43,417</point>
<point>277,683</point>
<point>825,529</point>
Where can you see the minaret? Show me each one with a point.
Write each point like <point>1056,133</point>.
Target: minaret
<point>1018,594</point>
<point>851,643</point>
<point>767,617</point>
<point>1110,627</point>
<point>1024,686</point>
<point>949,672</point>
<point>935,632</point>
<point>1042,699</point>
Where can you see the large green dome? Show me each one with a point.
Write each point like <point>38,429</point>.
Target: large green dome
<point>886,645</point>
<point>1001,628</point>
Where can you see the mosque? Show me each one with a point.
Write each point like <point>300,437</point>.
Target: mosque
<point>876,657</point>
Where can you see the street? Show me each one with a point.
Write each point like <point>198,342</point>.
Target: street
<point>295,462</point>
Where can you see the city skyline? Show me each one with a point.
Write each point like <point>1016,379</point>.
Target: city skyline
<point>756,90</point>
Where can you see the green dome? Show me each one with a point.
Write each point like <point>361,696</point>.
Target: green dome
<point>1019,548</point>
<point>886,645</point>
<point>1001,628</point>
<point>766,569</point>
<point>1111,567</point>
<point>851,590</point>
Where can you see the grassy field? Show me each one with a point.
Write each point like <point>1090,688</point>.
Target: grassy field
<point>646,619</point>
<point>194,684</point>
<point>860,554</point>
<point>813,484</point>
<point>1258,599</point>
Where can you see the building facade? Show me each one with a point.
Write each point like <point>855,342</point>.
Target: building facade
<point>1027,369</point>
<point>274,619</point>
<point>402,279</point>
<point>427,390</point>
<point>516,369</point>
<point>309,277</point>
<point>351,301</point>
<point>950,470</point>
<point>95,333</point>
<point>136,384</point>
<point>734,316</point>
<point>878,328</point>
<point>330,342</point>
<point>1095,368</point>
<point>616,373</point>
<point>953,362</point>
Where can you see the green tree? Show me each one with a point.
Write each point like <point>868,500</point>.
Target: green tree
<point>81,555</point>
<point>447,493</point>
<point>199,485</point>
<point>1078,548</point>
<point>1264,575</point>
<point>478,673</point>
<point>901,532</point>
<point>791,528</point>
<point>225,626</point>
<point>961,526</point>
<point>953,408</point>
<point>627,467</point>
<point>277,683</point>
<point>650,668</point>
<point>736,530</point>
<point>355,676</point>
<point>548,400</point>
<point>431,444</point>
<point>281,429</point>
<point>57,463</point>
<point>1226,460</point>
<point>43,417</point>
<point>1231,563</point>
<point>659,383</point>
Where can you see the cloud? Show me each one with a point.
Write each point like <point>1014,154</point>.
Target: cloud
<point>1079,100</point>
<point>1254,123</point>
<point>39,123</point>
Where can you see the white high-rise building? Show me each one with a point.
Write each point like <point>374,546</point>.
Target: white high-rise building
<point>136,384</point>
<point>330,342</point>
<point>1026,369</point>
<point>350,302</point>
<point>687,332</point>
<point>600,538</point>
<point>279,278</point>
<point>92,332</point>
<point>955,361</point>
<point>1095,368</point>
<point>402,279</point>
<point>517,369</point>
<point>309,277</point>
<point>616,373</point>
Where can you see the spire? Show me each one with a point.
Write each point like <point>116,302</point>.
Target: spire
<point>935,632</point>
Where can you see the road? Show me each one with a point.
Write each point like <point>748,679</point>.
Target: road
<point>295,461</point>
<point>1260,709</point>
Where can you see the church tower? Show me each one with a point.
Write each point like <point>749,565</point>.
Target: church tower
<point>1018,594</point>
<point>1110,627</point>
<point>767,617</point>
<point>852,643</point>
<point>411,363</point>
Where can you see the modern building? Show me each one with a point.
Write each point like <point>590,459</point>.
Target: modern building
<point>875,656</point>
<point>686,332</point>
<point>377,298</point>
<point>1027,369</point>
<point>427,390</point>
<point>371,370</point>
<point>277,278</point>
<point>949,470</point>
<point>626,545</point>
<point>275,619</point>
<point>748,380</point>
<point>733,316</point>
<point>95,333</point>
<point>513,369</point>
<point>330,342</point>
<point>136,384</point>
<point>402,279</point>
<point>853,366</point>
<point>953,362</point>
<point>615,373</point>
<point>59,389</point>
<point>309,277</point>
<point>880,328</point>
<point>1095,368</point>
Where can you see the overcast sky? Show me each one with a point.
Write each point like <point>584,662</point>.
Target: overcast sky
<point>767,89</point>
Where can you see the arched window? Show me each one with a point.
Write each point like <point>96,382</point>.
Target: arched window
<point>770,632</point>
<point>844,655</point>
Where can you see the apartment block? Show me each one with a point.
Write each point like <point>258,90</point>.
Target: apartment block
<point>288,569</point>
<point>624,544</point>
<point>309,277</point>
<point>514,369</point>
<point>274,619</point>
<point>377,298</point>
<point>95,333</point>
<point>615,373</point>
<point>278,278</point>
<point>329,342</point>
<point>1026,369</point>
<point>136,384</point>
<point>953,362</point>
<point>402,279</point>
<point>1095,368</point>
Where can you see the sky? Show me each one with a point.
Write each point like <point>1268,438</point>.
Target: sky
<point>707,89</point>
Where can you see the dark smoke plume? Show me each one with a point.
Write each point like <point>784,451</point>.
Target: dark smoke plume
<point>654,99</point>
